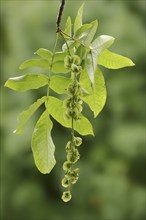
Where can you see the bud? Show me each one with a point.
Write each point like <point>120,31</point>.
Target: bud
<point>66,196</point>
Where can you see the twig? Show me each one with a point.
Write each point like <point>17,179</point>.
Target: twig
<point>61,7</point>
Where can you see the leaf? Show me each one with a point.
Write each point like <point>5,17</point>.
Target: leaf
<point>42,145</point>
<point>86,33</point>
<point>81,52</point>
<point>58,67</point>
<point>59,56</point>
<point>44,53</point>
<point>97,47</point>
<point>91,66</point>
<point>35,62</point>
<point>56,109</point>
<point>68,27</point>
<point>25,115</point>
<point>101,43</point>
<point>113,61</point>
<point>71,44</point>
<point>83,31</point>
<point>59,83</point>
<point>78,19</point>
<point>27,82</point>
<point>96,99</point>
<point>91,33</point>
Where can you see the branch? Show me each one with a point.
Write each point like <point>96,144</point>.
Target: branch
<point>61,7</point>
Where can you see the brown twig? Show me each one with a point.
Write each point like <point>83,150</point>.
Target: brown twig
<point>61,7</point>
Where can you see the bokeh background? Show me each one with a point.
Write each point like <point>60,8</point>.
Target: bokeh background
<point>112,178</point>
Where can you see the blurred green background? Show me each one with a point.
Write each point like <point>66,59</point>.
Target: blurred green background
<point>112,178</point>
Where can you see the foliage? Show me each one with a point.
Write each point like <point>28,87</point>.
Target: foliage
<point>80,58</point>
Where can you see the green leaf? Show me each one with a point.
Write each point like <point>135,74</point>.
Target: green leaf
<point>91,33</point>
<point>81,52</point>
<point>91,66</point>
<point>56,109</point>
<point>59,83</point>
<point>113,61</point>
<point>71,44</point>
<point>68,27</point>
<point>44,53</point>
<point>25,115</point>
<point>42,145</point>
<point>27,82</point>
<point>59,56</point>
<point>86,33</point>
<point>97,47</point>
<point>101,43</point>
<point>82,32</point>
<point>96,99</point>
<point>78,19</point>
<point>35,62</point>
<point>58,67</point>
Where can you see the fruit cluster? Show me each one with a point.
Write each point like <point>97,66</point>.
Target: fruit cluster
<point>71,175</point>
<point>73,63</point>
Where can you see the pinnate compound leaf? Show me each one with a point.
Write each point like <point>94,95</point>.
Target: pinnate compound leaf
<point>42,145</point>
<point>25,115</point>
<point>35,62</point>
<point>68,27</point>
<point>59,83</point>
<point>78,19</point>
<point>56,110</point>
<point>44,53</point>
<point>96,99</point>
<point>112,60</point>
<point>27,82</point>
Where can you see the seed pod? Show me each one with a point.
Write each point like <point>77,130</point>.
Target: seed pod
<point>74,68</point>
<point>76,60</point>
<point>78,141</point>
<point>67,62</point>
<point>79,107</point>
<point>74,175</point>
<point>67,165</point>
<point>80,101</point>
<point>73,157</point>
<point>66,196</point>
<point>74,180</point>
<point>66,103</point>
<point>68,146</point>
<point>65,182</point>
<point>66,115</point>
